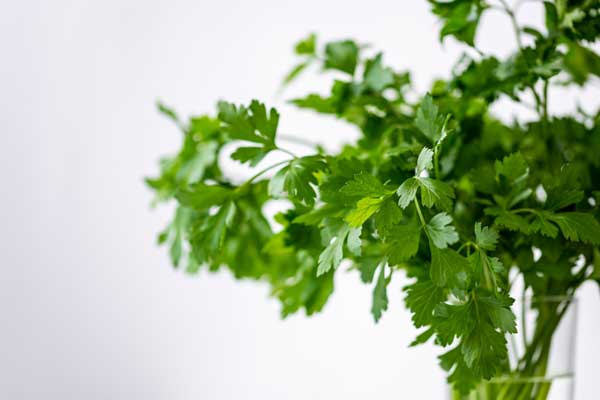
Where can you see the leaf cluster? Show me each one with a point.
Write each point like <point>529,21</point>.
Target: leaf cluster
<point>438,188</point>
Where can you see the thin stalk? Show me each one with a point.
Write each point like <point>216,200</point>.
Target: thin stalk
<point>419,212</point>
<point>297,140</point>
<point>259,173</point>
<point>287,152</point>
<point>436,164</point>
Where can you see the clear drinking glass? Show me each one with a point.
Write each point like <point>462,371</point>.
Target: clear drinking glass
<point>541,354</point>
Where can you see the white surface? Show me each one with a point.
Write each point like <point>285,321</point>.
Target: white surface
<point>90,306</point>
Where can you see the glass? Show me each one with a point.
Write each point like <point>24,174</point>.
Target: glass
<point>541,354</point>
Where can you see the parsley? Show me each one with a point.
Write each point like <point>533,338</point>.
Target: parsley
<point>435,186</point>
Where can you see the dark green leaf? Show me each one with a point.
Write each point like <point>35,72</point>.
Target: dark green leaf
<point>448,268</point>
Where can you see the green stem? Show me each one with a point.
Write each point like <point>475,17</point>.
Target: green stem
<point>423,223</point>
<point>259,173</point>
<point>436,164</point>
<point>297,140</point>
<point>286,152</point>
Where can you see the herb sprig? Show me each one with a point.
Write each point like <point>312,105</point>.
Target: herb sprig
<point>438,188</point>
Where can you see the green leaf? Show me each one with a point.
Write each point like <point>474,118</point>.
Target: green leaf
<point>480,324</point>
<point>460,18</point>
<point>448,268</point>
<point>252,124</point>
<point>483,349</point>
<point>509,220</point>
<point>425,161</point>
<point>407,192</point>
<point>423,337</point>
<point>176,233</point>
<point>484,345</point>
<point>440,232</point>
<point>367,265</point>
<point>305,291</point>
<point>403,242</point>
<point>316,216</point>
<point>376,76</point>
<point>578,226</point>
<point>559,199</point>
<point>335,236</point>
<point>342,56</point>
<point>485,237</point>
<point>434,192</point>
<point>380,299</point>
<point>168,112</point>
<point>421,299</point>
<point>201,196</point>
<point>543,225</point>
<point>364,185</point>
<point>295,72</point>
<point>193,167</point>
<point>306,46</point>
<point>460,376</point>
<point>499,312</point>
<point>364,209</point>
<point>513,167</point>
<point>249,153</point>
<point>486,270</point>
<point>297,179</point>
<point>581,62</point>
<point>208,238</point>
<point>387,217</point>
<point>265,124</point>
<point>354,243</point>
<point>428,120</point>
<point>315,102</point>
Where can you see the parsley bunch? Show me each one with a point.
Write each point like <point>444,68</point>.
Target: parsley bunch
<point>438,188</point>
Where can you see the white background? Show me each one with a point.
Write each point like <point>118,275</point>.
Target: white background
<point>90,308</point>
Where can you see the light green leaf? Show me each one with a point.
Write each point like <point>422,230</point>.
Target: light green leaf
<point>376,76</point>
<point>306,46</point>
<point>363,211</point>
<point>407,192</point>
<point>335,236</point>
<point>440,231</point>
<point>354,243</point>
<point>425,161</point>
